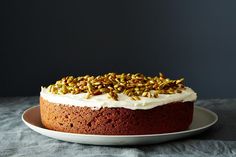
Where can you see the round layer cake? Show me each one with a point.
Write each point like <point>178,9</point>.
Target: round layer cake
<point>117,104</point>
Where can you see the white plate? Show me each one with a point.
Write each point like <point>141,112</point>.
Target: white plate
<point>202,119</point>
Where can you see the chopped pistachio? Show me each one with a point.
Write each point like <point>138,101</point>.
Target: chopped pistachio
<point>133,85</point>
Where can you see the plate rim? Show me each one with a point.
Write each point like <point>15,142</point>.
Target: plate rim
<point>123,136</point>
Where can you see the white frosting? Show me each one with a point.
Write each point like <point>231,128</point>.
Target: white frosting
<point>99,101</point>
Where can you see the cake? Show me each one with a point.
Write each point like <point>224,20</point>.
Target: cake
<point>117,104</point>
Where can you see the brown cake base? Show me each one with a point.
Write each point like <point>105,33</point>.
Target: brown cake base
<point>116,121</point>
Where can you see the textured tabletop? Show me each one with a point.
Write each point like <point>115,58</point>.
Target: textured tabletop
<point>16,139</point>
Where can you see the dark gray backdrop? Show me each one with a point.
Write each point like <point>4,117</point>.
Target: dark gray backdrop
<point>42,41</point>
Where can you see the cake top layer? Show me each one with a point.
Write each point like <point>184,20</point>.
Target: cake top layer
<point>102,101</point>
<point>133,85</point>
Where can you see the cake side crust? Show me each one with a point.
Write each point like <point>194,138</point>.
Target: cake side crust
<point>116,121</point>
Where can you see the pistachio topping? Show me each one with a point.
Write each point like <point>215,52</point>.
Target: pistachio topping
<point>133,85</point>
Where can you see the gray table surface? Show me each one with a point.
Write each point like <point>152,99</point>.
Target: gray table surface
<point>16,139</point>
